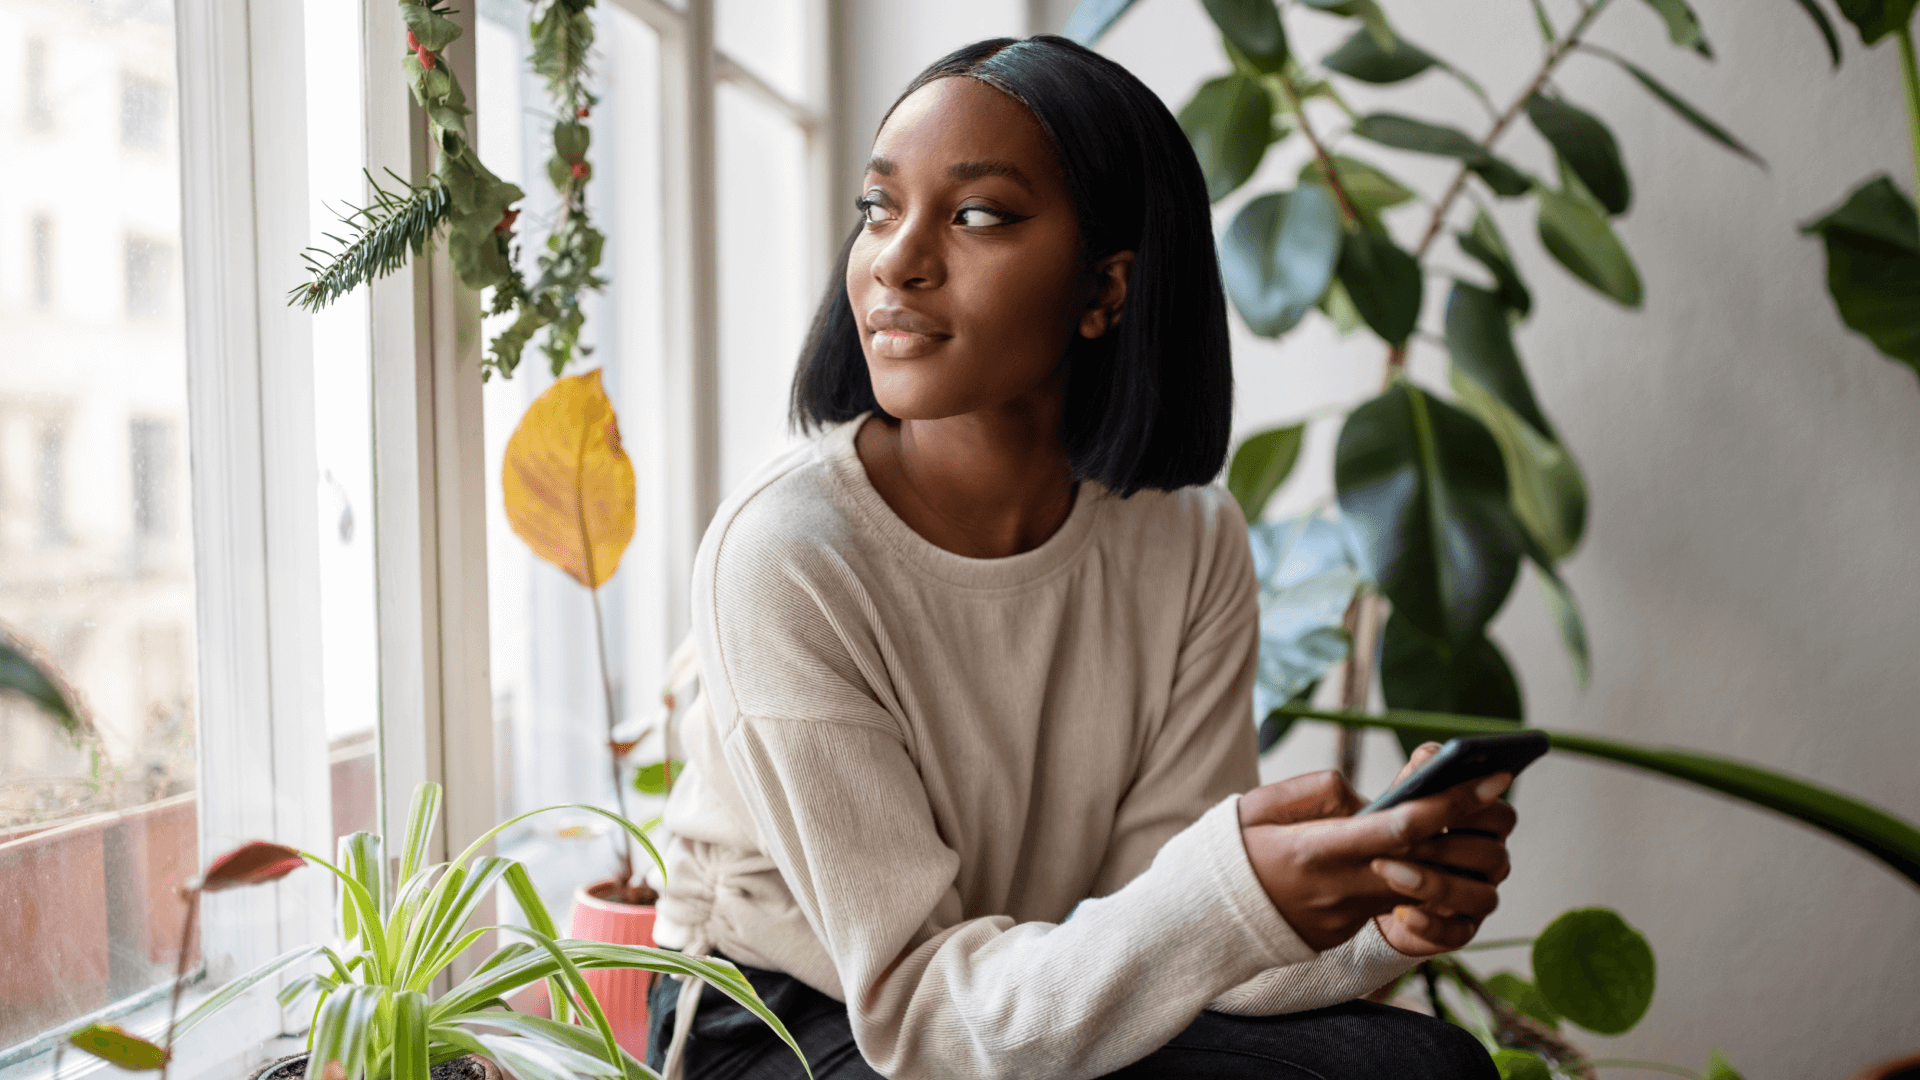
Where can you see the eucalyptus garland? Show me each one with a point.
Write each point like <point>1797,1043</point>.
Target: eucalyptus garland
<point>476,207</point>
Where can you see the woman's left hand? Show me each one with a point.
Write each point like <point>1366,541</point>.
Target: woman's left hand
<point>1439,877</point>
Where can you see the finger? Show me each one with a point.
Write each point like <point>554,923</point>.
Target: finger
<point>1444,933</point>
<point>1416,759</point>
<point>1439,893</point>
<point>1310,797</point>
<point>1474,856</point>
<point>1496,819</point>
<point>1395,831</point>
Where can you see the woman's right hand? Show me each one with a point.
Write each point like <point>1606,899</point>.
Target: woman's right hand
<point>1320,865</point>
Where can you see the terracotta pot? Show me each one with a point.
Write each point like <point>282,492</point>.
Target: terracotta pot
<point>470,1067</point>
<point>1907,1068</point>
<point>622,991</point>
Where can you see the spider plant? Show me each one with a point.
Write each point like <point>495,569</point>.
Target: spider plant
<point>377,1015</point>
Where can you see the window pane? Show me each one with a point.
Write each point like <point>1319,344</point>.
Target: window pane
<point>96,571</point>
<point>765,272</point>
<point>549,704</point>
<point>769,38</point>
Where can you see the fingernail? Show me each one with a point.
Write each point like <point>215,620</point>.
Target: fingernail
<point>1492,786</point>
<point>1429,746</point>
<point>1404,914</point>
<point>1398,873</point>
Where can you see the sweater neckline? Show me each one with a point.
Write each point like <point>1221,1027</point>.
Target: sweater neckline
<point>1054,554</point>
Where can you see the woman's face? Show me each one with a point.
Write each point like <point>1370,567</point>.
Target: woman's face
<point>967,278</point>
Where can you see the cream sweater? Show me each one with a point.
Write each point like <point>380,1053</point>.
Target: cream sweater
<point>989,803</point>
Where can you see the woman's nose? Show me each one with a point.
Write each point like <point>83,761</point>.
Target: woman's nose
<point>911,258</point>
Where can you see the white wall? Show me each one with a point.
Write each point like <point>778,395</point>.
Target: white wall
<point>1745,577</point>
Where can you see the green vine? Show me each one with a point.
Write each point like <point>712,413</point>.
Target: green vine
<point>475,207</point>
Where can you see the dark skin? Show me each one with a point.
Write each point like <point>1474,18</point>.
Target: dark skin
<point>968,282</point>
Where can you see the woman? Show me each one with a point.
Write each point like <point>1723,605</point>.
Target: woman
<point>966,798</point>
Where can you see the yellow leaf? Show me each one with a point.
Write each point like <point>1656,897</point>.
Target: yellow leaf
<point>568,484</point>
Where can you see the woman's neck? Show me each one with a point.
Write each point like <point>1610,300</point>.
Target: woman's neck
<point>986,485</point>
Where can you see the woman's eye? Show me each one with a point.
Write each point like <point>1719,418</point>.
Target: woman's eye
<point>979,217</point>
<point>872,212</point>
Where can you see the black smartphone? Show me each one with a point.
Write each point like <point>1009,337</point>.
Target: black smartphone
<point>1461,760</point>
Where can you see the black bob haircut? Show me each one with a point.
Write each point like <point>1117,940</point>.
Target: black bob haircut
<point>1149,404</point>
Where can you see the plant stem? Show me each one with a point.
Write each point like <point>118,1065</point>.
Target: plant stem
<point>1347,212</point>
<point>1513,1027</point>
<point>180,975</point>
<point>613,758</point>
<point>1910,75</point>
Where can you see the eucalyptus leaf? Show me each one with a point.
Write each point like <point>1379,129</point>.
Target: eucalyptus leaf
<point>1514,1064</point>
<point>1260,465</point>
<point>1872,830</point>
<point>1595,970</point>
<point>1587,147</point>
<point>1876,19</point>
<point>1579,237</point>
<point>1687,112</point>
<point>1480,340</point>
<point>1819,16</point>
<point>1308,569</point>
<point>1384,282</point>
<point>1525,997</point>
<point>1278,255</point>
<point>1253,27</point>
<point>1483,242</point>
<point>1362,57</point>
<point>1873,267</point>
<point>1683,26</point>
<point>1228,122</point>
<point>1424,484</point>
<point>1422,137</point>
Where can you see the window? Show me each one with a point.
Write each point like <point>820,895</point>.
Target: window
<point>150,448</point>
<point>147,266</point>
<point>52,486</point>
<point>39,104</point>
<point>41,266</point>
<point>143,112</point>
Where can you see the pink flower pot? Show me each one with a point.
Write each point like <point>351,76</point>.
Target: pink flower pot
<point>622,991</point>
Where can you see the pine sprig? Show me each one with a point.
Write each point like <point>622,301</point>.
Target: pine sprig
<point>384,232</point>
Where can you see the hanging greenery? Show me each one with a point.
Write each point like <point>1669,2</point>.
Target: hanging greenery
<point>475,207</point>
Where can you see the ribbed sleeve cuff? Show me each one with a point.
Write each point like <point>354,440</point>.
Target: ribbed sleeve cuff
<point>1224,855</point>
<point>1361,965</point>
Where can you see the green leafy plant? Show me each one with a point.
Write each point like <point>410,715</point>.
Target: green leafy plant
<point>376,1014</point>
<point>27,674</point>
<point>474,207</point>
<point>1872,238</point>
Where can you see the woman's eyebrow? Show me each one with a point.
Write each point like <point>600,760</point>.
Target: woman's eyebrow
<point>974,170</point>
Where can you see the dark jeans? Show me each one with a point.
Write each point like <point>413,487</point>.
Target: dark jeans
<point>1355,1041</point>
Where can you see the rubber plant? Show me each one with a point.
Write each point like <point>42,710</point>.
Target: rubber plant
<point>1872,238</point>
<point>473,207</point>
<point>376,1013</point>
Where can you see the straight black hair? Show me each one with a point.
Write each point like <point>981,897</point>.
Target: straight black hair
<point>1149,404</point>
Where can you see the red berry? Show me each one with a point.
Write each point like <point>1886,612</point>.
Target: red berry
<point>581,112</point>
<point>506,220</point>
<point>425,56</point>
<point>413,43</point>
<point>580,170</point>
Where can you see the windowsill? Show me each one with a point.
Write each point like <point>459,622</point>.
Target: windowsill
<point>207,1053</point>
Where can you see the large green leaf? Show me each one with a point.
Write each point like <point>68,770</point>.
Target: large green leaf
<point>1384,282</point>
<point>1480,340</point>
<point>1093,18</point>
<point>1683,26</point>
<point>1421,137</point>
<point>1261,465</point>
<point>1369,189</point>
<point>1277,256</point>
<point>1367,11</point>
<point>1229,123</point>
<point>1525,997</point>
<point>1549,494</point>
<point>1595,970</point>
<point>19,673</point>
<point>1587,147</point>
<point>1687,112</point>
<point>1896,843</point>
<point>1422,672</point>
<point>1873,267</point>
<point>1309,569</point>
<point>1253,27</point>
<point>1361,57</point>
<point>1876,19</point>
<point>1514,1064</point>
<point>1424,484</point>
<point>1483,242</point>
<point>1579,237</point>
<point>1825,25</point>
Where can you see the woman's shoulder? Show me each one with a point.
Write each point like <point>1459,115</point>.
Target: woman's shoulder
<point>1199,519</point>
<point>785,513</point>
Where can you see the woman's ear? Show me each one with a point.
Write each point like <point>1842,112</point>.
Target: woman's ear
<point>1109,295</point>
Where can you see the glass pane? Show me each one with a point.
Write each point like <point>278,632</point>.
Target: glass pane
<point>769,38</point>
<point>549,702</point>
<point>96,567</point>
<point>765,276</point>
<point>343,420</point>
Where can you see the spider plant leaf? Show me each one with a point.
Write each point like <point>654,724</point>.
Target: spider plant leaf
<point>421,817</point>
<point>423,975</point>
<point>572,1037</point>
<point>240,986</point>
<point>410,1041</point>
<point>357,904</point>
<point>549,1060</point>
<point>362,856</point>
<point>433,909</point>
<point>303,986</point>
<point>534,910</point>
<point>578,984</point>
<point>342,1028</point>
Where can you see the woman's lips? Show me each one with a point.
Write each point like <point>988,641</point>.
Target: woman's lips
<point>899,334</point>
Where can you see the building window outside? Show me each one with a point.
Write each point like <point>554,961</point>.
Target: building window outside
<point>150,450</point>
<point>148,272</point>
<point>41,257</point>
<point>53,485</point>
<point>143,112</point>
<point>39,102</point>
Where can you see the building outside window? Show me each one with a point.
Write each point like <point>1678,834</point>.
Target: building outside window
<point>41,260</point>
<point>143,112</point>
<point>39,111</point>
